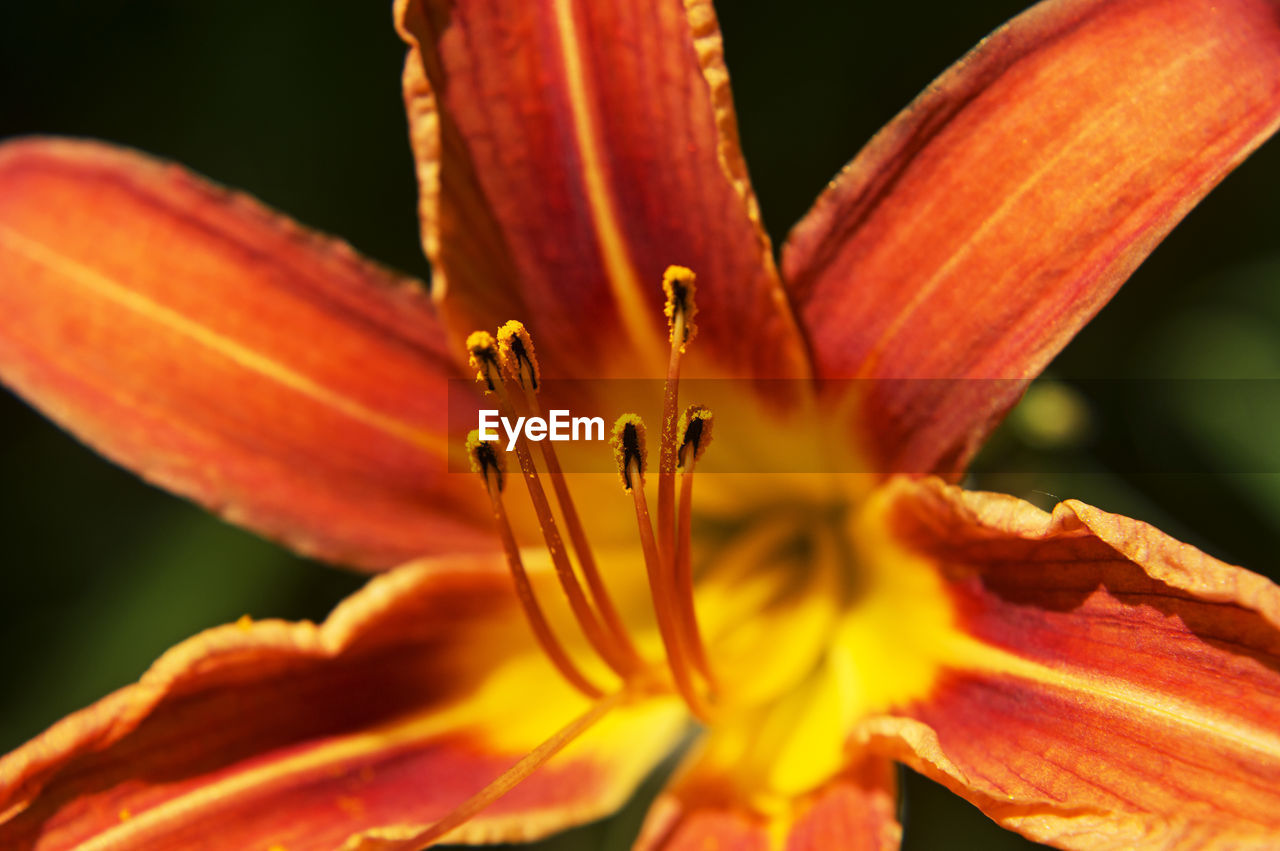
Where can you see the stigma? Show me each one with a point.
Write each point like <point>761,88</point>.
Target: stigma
<point>506,367</point>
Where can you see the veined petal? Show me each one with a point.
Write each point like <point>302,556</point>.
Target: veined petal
<point>987,223</point>
<point>228,355</point>
<point>568,152</point>
<point>1104,686</point>
<point>708,806</point>
<point>411,697</point>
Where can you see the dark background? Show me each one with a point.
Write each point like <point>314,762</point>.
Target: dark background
<point>299,103</point>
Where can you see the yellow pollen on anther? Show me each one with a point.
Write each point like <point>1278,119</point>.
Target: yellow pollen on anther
<point>516,355</point>
<point>485,461</point>
<point>628,445</point>
<point>244,623</point>
<point>482,355</point>
<point>695,435</point>
<point>680,308</point>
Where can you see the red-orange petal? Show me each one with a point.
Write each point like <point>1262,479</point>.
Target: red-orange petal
<point>1114,688</point>
<point>854,811</point>
<point>229,355</point>
<point>988,222</point>
<point>569,151</point>
<point>411,697</point>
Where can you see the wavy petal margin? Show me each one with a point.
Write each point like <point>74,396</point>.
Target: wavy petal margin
<point>567,153</point>
<point>996,215</point>
<point>1105,686</point>
<point>229,355</point>
<point>411,697</point>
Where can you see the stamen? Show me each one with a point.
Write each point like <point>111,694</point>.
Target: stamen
<point>695,437</point>
<point>515,353</point>
<point>678,284</point>
<point>485,357</point>
<point>629,451</point>
<point>482,354</point>
<point>514,775</point>
<point>489,464</point>
<point>510,361</point>
<point>520,364</point>
<point>485,461</point>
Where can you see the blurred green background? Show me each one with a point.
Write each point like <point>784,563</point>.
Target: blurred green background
<point>299,103</point>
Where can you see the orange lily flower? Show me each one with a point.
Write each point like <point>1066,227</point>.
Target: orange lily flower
<point>1082,678</point>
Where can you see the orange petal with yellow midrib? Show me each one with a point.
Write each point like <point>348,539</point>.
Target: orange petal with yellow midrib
<point>229,355</point>
<point>1111,687</point>
<point>980,230</point>
<point>567,153</point>
<point>411,697</point>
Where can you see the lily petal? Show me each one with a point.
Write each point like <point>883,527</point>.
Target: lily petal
<point>365,729</point>
<point>996,215</point>
<point>855,811</point>
<point>1105,686</point>
<point>544,201</point>
<point>229,355</point>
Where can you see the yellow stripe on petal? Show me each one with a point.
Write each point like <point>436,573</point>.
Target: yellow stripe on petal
<point>417,693</point>
<point>624,280</point>
<point>769,612</point>
<point>172,325</point>
<point>800,744</point>
<point>199,334</point>
<point>766,756</point>
<point>890,643</point>
<point>1103,685</point>
<point>966,653</point>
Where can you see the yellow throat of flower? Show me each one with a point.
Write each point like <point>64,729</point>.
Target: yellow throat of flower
<point>811,616</point>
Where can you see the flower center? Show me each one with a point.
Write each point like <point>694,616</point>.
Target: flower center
<point>507,368</point>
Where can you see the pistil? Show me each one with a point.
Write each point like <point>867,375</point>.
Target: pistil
<point>680,308</point>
